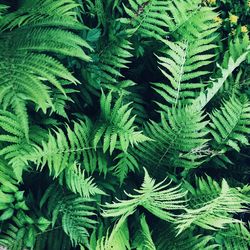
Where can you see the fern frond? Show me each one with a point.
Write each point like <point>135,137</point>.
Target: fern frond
<point>22,80</point>
<point>165,235</point>
<point>50,13</point>
<point>205,190</point>
<point>46,240</point>
<point>75,180</point>
<point>11,198</point>
<point>236,236</point>
<point>62,151</point>
<point>216,213</point>
<point>143,238</point>
<point>175,140</point>
<point>60,100</point>
<point>117,126</point>
<point>148,17</point>
<point>189,20</point>
<point>112,56</point>
<point>230,124</point>
<point>22,231</point>
<point>74,213</point>
<point>14,145</point>
<point>3,9</point>
<point>182,65</point>
<point>118,238</point>
<point>156,198</point>
<point>205,97</point>
<point>25,67</point>
<point>126,163</point>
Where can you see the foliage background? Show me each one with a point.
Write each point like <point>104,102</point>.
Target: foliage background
<point>101,97</point>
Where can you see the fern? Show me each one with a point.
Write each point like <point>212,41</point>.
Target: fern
<point>74,213</point>
<point>143,238</point>
<point>177,139</point>
<point>61,152</point>
<point>216,213</point>
<point>43,13</point>
<point>148,17</point>
<point>117,239</point>
<point>126,163</point>
<point>25,67</point>
<point>93,91</point>
<point>29,65</point>
<point>236,236</point>
<point>192,22</point>
<point>153,197</point>
<point>117,126</point>
<point>3,9</point>
<point>204,98</point>
<point>182,64</point>
<point>166,236</point>
<point>46,240</point>
<point>60,100</point>
<point>229,124</point>
<point>15,146</point>
<point>108,62</point>
<point>76,181</point>
<point>22,233</point>
<point>11,198</point>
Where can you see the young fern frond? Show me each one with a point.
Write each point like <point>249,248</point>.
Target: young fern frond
<point>75,180</point>
<point>159,199</point>
<point>182,65</point>
<point>216,213</point>
<point>64,150</point>
<point>230,124</point>
<point>175,140</point>
<point>117,126</point>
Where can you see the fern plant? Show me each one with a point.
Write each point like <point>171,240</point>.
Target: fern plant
<point>73,211</point>
<point>97,95</point>
<point>229,124</point>
<point>215,213</point>
<point>14,144</point>
<point>62,153</point>
<point>176,140</point>
<point>184,63</point>
<point>24,48</point>
<point>237,235</point>
<point>152,197</point>
<point>118,125</point>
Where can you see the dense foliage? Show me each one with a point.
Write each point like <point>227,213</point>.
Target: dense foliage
<point>124,124</point>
